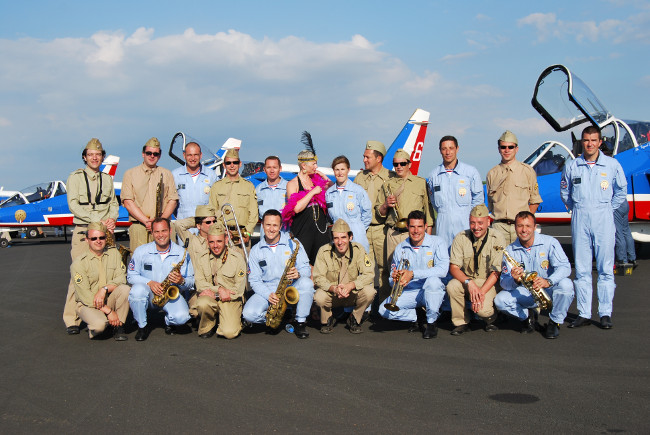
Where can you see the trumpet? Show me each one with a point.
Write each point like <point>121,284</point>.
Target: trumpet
<point>398,288</point>
<point>539,294</point>
<point>235,235</point>
<point>400,223</point>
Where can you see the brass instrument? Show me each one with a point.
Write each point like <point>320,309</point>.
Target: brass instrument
<point>286,293</point>
<point>235,235</point>
<point>400,223</point>
<point>170,291</point>
<point>124,251</point>
<point>396,292</point>
<point>544,302</point>
<point>160,192</point>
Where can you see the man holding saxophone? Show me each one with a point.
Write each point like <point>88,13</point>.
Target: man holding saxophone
<point>267,262</point>
<point>419,264</point>
<point>541,254</point>
<point>153,265</point>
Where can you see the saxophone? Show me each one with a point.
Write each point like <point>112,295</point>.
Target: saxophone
<point>124,252</point>
<point>286,293</point>
<point>170,291</point>
<point>544,302</point>
<point>160,192</point>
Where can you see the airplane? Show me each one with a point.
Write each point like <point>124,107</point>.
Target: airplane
<point>566,103</point>
<point>4,194</point>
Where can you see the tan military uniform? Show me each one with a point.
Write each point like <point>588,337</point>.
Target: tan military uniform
<point>197,249</point>
<point>211,274</point>
<point>510,189</point>
<point>359,269</point>
<point>89,274</point>
<point>241,195</point>
<point>489,260</point>
<point>85,209</point>
<point>139,185</point>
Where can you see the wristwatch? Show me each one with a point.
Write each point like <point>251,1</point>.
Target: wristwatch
<point>105,288</point>
<point>550,283</point>
<point>467,281</point>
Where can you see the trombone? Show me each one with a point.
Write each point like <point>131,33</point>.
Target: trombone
<point>235,235</point>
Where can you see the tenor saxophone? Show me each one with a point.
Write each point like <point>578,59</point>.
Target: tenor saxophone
<point>286,293</point>
<point>544,302</point>
<point>170,291</point>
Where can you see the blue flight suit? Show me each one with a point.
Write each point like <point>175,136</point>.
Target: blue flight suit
<point>267,268</point>
<point>271,198</point>
<point>352,204</point>
<point>547,258</point>
<point>147,265</point>
<point>192,191</point>
<point>453,195</point>
<point>625,251</point>
<point>591,193</point>
<point>429,263</point>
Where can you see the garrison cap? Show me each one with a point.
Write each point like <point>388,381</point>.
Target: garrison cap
<point>375,145</point>
<point>479,211</point>
<point>94,144</point>
<point>97,226</point>
<point>401,154</point>
<point>232,153</point>
<point>153,143</point>
<point>204,211</point>
<point>508,136</point>
<point>216,230</point>
<point>340,226</point>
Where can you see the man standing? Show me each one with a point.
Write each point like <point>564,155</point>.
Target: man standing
<point>419,264</point>
<point>511,187</point>
<point>102,296</point>
<point>343,277</point>
<point>272,192</point>
<point>267,262</point>
<point>220,284</point>
<point>91,198</point>
<point>193,182</point>
<point>542,254</point>
<point>475,265</point>
<point>150,265</point>
<point>139,187</point>
<point>454,189</point>
<point>592,187</point>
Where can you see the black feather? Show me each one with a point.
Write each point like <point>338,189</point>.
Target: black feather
<point>307,142</point>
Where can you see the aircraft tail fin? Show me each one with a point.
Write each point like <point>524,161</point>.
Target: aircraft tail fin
<point>411,139</point>
<point>109,165</point>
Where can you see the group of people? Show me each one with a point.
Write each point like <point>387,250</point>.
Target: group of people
<point>365,247</point>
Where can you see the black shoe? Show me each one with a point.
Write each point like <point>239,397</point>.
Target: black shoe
<point>301,330</point>
<point>528,325</point>
<point>142,334</point>
<point>118,334</point>
<point>170,329</point>
<point>193,323</point>
<point>208,334</point>
<point>579,322</point>
<point>606,322</point>
<point>634,264</point>
<point>460,330</point>
<point>552,330</point>
<point>414,327</point>
<point>72,330</point>
<point>431,331</point>
<point>327,328</point>
<point>354,327</point>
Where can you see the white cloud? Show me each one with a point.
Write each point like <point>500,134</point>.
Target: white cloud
<point>524,127</point>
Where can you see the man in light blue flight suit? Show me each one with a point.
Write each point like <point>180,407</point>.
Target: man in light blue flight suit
<point>428,258</point>
<point>148,268</point>
<point>542,254</point>
<point>349,201</point>
<point>455,188</point>
<point>193,182</point>
<point>592,187</point>
<point>267,261</point>
<point>272,192</point>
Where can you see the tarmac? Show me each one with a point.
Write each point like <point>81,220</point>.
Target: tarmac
<point>385,380</point>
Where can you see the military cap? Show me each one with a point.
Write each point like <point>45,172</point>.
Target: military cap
<point>153,143</point>
<point>479,211</point>
<point>232,153</point>
<point>203,211</point>
<point>375,145</point>
<point>215,230</point>
<point>401,154</point>
<point>94,144</point>
<point>340,226</point>
<point>508,136</point>
<point>97,226</point>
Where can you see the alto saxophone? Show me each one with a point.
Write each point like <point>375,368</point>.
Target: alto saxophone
<point>286,293</point>
<point>544,302</point>
<point>170,291</point>
<point>398,288</point>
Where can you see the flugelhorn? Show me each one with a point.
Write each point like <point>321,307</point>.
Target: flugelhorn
<point>234,231</point>
<point>398,288</point>
<point>544,302</point>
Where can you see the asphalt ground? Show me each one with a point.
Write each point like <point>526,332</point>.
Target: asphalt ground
<point>385,380</point>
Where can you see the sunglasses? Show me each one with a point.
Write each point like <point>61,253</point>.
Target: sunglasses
<point>209,222</point>
<point>152,153</point>
<point>396,164</point>
<point>507,147</point>
<point>92,239</point>
<point>232,162</point>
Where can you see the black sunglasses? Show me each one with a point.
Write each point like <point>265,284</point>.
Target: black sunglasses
<point>209,222</point>
<point>507,147</point>
<point>396,164</point>
<point>92,239</point>
<point>152,153</point>
<point>232,162</point>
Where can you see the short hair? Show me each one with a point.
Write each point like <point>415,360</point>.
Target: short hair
<point>161,219</point>
<point>591,130</point>
<point>416,215</point>
<point>378,155</point>
<point>271,212</point>
<point>192,143</point>
<point>448,138</point>
<point>273,158</point>
<point>525,215</point>
<point>340,159</point>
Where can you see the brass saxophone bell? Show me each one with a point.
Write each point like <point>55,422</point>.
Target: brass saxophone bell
<point>291,295</point>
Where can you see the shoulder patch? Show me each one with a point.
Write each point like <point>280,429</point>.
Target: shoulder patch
<point>366,261</point>
<point>241,273</point>
<point>122,267</point>
<point>78,278</point>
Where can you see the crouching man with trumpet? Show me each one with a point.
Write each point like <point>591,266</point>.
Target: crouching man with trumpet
<point>161,275</point>
<point>343,277</point>
<point>267,261</point>
<point>535,274</point>
<point>419,284</point>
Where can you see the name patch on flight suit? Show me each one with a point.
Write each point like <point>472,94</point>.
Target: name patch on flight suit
<point>148,267</point>
<point>262,263</point>
<point>577,181</point>
<point>180,187</point>
<point>330,204</point>
<point>436,188</point>
<point>260,201</point>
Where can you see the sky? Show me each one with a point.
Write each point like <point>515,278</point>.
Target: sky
<point>262,72</point>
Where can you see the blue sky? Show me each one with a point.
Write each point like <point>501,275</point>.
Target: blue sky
<point>265,71</point>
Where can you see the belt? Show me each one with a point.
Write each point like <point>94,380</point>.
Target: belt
<point>399,230</point>
<point>505,221</point>
<point>374,225</point>
<point>137,223</point>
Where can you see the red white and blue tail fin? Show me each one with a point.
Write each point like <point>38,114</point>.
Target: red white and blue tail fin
<point>109,165</point>
<point>411,139</point>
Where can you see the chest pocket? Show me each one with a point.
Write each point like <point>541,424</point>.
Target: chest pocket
<point>227,277</point>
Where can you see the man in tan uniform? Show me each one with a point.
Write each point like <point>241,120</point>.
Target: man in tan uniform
<point>101,293</point>
<point>511,188</point>
<point>343,277</point>
<point>91,198</point>
<point>398,197</point>
<point>139,194</point>
<point>372,179</point>
<point>220,283</point>
<point>234,190</point>
<point>475,265</point>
